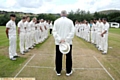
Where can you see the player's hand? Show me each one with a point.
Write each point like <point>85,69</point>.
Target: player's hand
<point>62,41</point>
<point>101,35</point>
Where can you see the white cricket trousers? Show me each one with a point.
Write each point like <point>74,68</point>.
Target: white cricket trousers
<point>39,36</point>
<point>88,36</point>
<point>95,37</point>
<point>92,36</point>
<point>99,40</point>
<point>27,40</point>
<point>43,36</point>
<point>22,42</point>
<point>36,36</point>
<point>32,38</point>
<point>105,43</point>
<point>12,46</point>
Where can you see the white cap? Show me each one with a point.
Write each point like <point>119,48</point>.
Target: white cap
<point>64,48</point>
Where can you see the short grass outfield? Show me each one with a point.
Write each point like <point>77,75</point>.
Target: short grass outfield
<point>111,61</point>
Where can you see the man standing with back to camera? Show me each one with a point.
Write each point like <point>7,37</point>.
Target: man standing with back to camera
<point>63,31</point>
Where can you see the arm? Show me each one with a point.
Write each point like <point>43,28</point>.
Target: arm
<point>18,31</point>
<point>106,27</point>
<point>103,33</point>
<point>55,34</point>
<point>41,29</point>
<point>7,29</point>
<point>8,26</point>
<point>45,27</point>
<point>25,26</point>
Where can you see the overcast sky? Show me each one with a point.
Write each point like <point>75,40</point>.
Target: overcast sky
<point>55,6</point>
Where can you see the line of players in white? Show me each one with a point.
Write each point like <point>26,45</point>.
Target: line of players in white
<point>32,33</point>
<point>95,32</point>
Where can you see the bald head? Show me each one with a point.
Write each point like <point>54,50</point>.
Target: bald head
<point>64,13</point>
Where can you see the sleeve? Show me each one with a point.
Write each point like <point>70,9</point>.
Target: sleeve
<point>55,34</point>
<point>25,24</point>
<point>71,34</point>
<point>19,24</point>
<point>107,27</point>
<point>8,25</point>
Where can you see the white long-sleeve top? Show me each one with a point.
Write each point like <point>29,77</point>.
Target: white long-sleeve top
<point>63,29</point>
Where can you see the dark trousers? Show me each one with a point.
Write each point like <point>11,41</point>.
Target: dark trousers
<point>58,61</point>
<point>50,31</point>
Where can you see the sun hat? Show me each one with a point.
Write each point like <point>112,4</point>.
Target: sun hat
<point>64,48</point>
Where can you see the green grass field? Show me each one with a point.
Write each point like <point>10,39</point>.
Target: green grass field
<point>7,67</point>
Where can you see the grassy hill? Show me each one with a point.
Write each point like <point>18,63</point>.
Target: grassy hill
<point>109,11</point>
<point>17,13</point>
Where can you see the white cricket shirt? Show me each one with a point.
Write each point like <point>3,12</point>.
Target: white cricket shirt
<point>12,28</point>
<point>21,25</point>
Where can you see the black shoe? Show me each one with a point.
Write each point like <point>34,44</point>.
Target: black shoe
<point>17,56</point>
<point>13,59</point>
<point>25,51</point>
<point>29,48</point>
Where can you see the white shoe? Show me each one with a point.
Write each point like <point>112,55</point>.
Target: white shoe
<point>68,74</point>
<point>32,47</point>
<point>58,74</point>
<point>99,49</point>
<point>104,52</point>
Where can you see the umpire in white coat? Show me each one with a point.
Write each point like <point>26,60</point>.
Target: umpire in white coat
<point>63,31</point>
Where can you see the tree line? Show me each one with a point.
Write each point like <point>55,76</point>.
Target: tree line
<point>79,15</point>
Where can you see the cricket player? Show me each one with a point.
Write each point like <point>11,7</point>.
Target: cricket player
<point>96,32</point>
<point>80,29</point>
<point>11,35</point>
<point>27,37</point>
<point>42,25</point>
<point>99,31</point>
<point>84,28</point>
<point>46,29</point>
<point>104,36</point>
<point>37,28</point>
<point>76,27</point>
<point>21,33</point>
<point>87,32</point>
<point>32,33</point>
<point>51,27</point>
<point>93,32</point>
<point>40,32</point>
